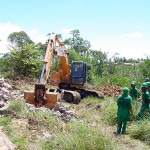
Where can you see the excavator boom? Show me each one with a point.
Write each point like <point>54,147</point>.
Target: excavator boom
<point>41,96</point>
<point>70,80</point>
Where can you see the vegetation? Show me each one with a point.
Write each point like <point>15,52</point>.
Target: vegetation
<point>78,136</point>
<point>25,59</point>
<point>109,115</point>
<point>140,130</point>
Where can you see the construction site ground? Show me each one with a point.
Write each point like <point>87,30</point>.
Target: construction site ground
<point>88,111</point>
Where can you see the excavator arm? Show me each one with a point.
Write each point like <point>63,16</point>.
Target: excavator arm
<point>38,97</point>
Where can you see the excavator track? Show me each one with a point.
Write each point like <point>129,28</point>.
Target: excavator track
<point>94,93</point>
<point>71,96</point>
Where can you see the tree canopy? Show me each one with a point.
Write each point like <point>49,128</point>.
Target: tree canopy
<point>19,39</point>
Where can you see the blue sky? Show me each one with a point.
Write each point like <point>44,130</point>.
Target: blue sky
<point>114,26</point>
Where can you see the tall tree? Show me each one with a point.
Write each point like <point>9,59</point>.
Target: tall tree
<point>77,43</point>
<point>18,39</point>
<point>98,61</point>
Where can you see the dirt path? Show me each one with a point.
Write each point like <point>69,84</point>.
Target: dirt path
<point>5,143</point>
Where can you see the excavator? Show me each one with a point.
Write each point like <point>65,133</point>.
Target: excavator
<point>69,80</point>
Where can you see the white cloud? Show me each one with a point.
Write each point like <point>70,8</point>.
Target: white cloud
<point>36,36</point>
<point>124,47</point>
<point>66,32</point>
<point>134,35</point>
<point>7,28</point>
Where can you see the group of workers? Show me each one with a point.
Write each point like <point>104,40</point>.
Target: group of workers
<point>124,103</point>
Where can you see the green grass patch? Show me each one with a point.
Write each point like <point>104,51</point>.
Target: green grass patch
<point>78,136</point>
<point>17,106</point>
<point>93,99</point>
<point>44,120</point>
<point>4,121</point>
<point>109,115</point>
<point>140,130</point>
<point>19,141</point>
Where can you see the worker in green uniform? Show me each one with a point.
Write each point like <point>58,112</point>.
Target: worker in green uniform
<point>148,89</point>
<point>146,80</point>
<point>148,86</point>
<point>133,91</point>
<point>145,109</point>
<point>124,103</point>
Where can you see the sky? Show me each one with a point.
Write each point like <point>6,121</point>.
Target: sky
<point>112,26</point>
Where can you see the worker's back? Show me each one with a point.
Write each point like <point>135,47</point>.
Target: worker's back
<point>124,103</point>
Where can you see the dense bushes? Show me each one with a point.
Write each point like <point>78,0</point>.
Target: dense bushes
<point>22,62</point>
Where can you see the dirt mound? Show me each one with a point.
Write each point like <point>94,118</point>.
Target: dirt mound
<point>107,90</point>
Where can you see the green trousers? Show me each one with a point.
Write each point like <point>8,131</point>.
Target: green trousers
<point>122,122</point>
<point>142,115</point>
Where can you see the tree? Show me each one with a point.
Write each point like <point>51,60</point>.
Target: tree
<point>77,43</point>
<point>99,59</point>
<point>144,68</point>
<point>18,39</point>
<point>24,58</point>
<point>26,62</point>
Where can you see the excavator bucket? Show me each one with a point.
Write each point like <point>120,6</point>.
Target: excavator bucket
<point>50,101</point>
<point>29,97</point>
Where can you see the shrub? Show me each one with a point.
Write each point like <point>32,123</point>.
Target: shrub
<point>110,114</point>
<point>140,130</point>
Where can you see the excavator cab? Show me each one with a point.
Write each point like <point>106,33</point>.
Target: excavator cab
<point>78,73</point>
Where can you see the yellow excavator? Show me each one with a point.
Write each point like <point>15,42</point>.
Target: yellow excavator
<point>69,80</point>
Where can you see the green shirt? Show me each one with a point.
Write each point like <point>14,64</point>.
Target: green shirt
<point>124,103</point>
<point>134,93</point>
<point>145,101</point>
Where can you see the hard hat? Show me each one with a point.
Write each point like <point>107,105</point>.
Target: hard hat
<point>125,90</point>
<point>133,82</point>
<point>148,84</point>
<point>146,79</point>
<point>144,85</point>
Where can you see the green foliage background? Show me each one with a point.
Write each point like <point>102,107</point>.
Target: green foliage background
<point>25,59</point>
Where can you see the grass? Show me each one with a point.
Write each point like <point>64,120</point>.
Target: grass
<point>44,121</point>
<point>109,112</point>
<point>20,142</point>
<point>78,136</point>
<point>140,130</point>
<point>93,99</point>
<point>17,106</point>
<point>4,121</point>
<point>84,131</point>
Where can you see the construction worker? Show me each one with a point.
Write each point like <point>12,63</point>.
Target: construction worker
<point>148,89</point>
<point>145,109</point>
<point>146,80</point>
<point>124,103</point>
<point>133,91</point>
